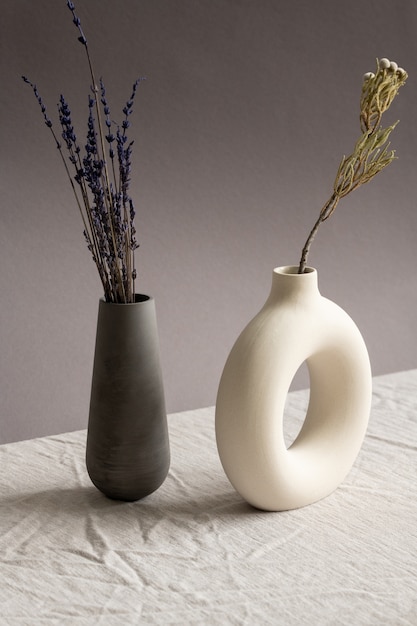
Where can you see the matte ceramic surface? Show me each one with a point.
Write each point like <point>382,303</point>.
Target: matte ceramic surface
<point>296,324</point>
<point>127,443</point>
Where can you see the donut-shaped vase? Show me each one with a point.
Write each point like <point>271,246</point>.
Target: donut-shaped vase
<point>296,325</point>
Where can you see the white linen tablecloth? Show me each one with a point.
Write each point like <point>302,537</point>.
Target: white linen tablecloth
<point>195,553</point>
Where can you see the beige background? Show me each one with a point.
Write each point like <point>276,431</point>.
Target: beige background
<point>247,108</point>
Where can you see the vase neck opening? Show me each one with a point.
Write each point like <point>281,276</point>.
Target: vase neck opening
<point>290,270</point>
<point>287,282</point>
<point>139,297</point>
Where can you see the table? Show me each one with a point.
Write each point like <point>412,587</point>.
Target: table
<point>195,553</point>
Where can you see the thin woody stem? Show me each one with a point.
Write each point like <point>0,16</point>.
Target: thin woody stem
<point>326,212</point>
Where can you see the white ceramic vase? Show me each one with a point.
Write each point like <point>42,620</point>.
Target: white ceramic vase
<point>295,325</point>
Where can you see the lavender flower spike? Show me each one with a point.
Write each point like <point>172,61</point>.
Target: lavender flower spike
<point>40,101</point>
<point>100,176</point>
<point>82,39</point>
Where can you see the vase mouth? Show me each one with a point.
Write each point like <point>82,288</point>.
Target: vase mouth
<point>139,297</point>
<point>292,270</point>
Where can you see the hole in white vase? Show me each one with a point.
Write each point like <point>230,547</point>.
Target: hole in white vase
<point>296,405</point>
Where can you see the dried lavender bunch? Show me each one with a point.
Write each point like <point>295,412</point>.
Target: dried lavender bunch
<point>371,153</point>
<point>100,181</point>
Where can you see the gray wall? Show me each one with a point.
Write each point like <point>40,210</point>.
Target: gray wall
<point>239,129</point>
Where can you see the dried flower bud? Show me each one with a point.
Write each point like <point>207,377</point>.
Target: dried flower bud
<point>384,64</point>
<point>378,91</point>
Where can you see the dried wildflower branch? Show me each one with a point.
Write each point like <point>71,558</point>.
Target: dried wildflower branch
<point>371,153</point>
<point>101,190</point>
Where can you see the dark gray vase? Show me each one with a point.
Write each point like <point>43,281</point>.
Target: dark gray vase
<point>127,451</point>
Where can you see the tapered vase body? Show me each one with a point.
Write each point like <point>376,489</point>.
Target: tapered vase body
<point>127,453</point>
